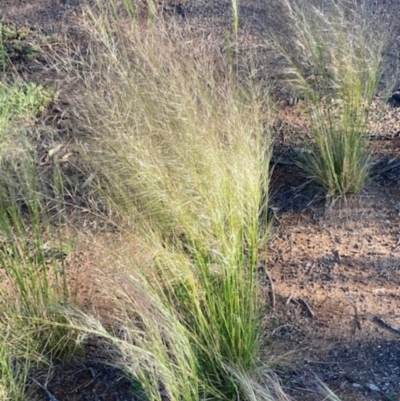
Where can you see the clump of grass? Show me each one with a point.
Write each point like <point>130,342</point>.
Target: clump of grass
<point>13,374</point>
<point>336,61</point>
<point>183,157</point>
<point>33,290</point>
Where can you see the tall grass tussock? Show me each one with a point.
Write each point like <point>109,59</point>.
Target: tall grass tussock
<point>182,155</point>
<point>336,61</point>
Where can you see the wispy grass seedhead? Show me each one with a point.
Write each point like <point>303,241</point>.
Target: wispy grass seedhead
<point>336,61</point>
<point>183,157</point>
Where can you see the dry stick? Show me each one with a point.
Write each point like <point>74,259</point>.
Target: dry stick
<point>307,306</point>
<point>51,396</point>
<point>312,265</point>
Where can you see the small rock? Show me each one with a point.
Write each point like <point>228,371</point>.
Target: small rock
<point>372,387</point>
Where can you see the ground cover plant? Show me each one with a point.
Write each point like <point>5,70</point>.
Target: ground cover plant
<point>21,102</point>
<point>336,61</point>
<point>15,43</point>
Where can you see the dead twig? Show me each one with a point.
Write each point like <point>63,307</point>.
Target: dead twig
<point>307,306</point>
<point>289,299</point>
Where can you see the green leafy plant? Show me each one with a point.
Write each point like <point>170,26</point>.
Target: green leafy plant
<point>336,62</point>
<point>20,104</point>
<point>15,42</point>
<point>23,100</point>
